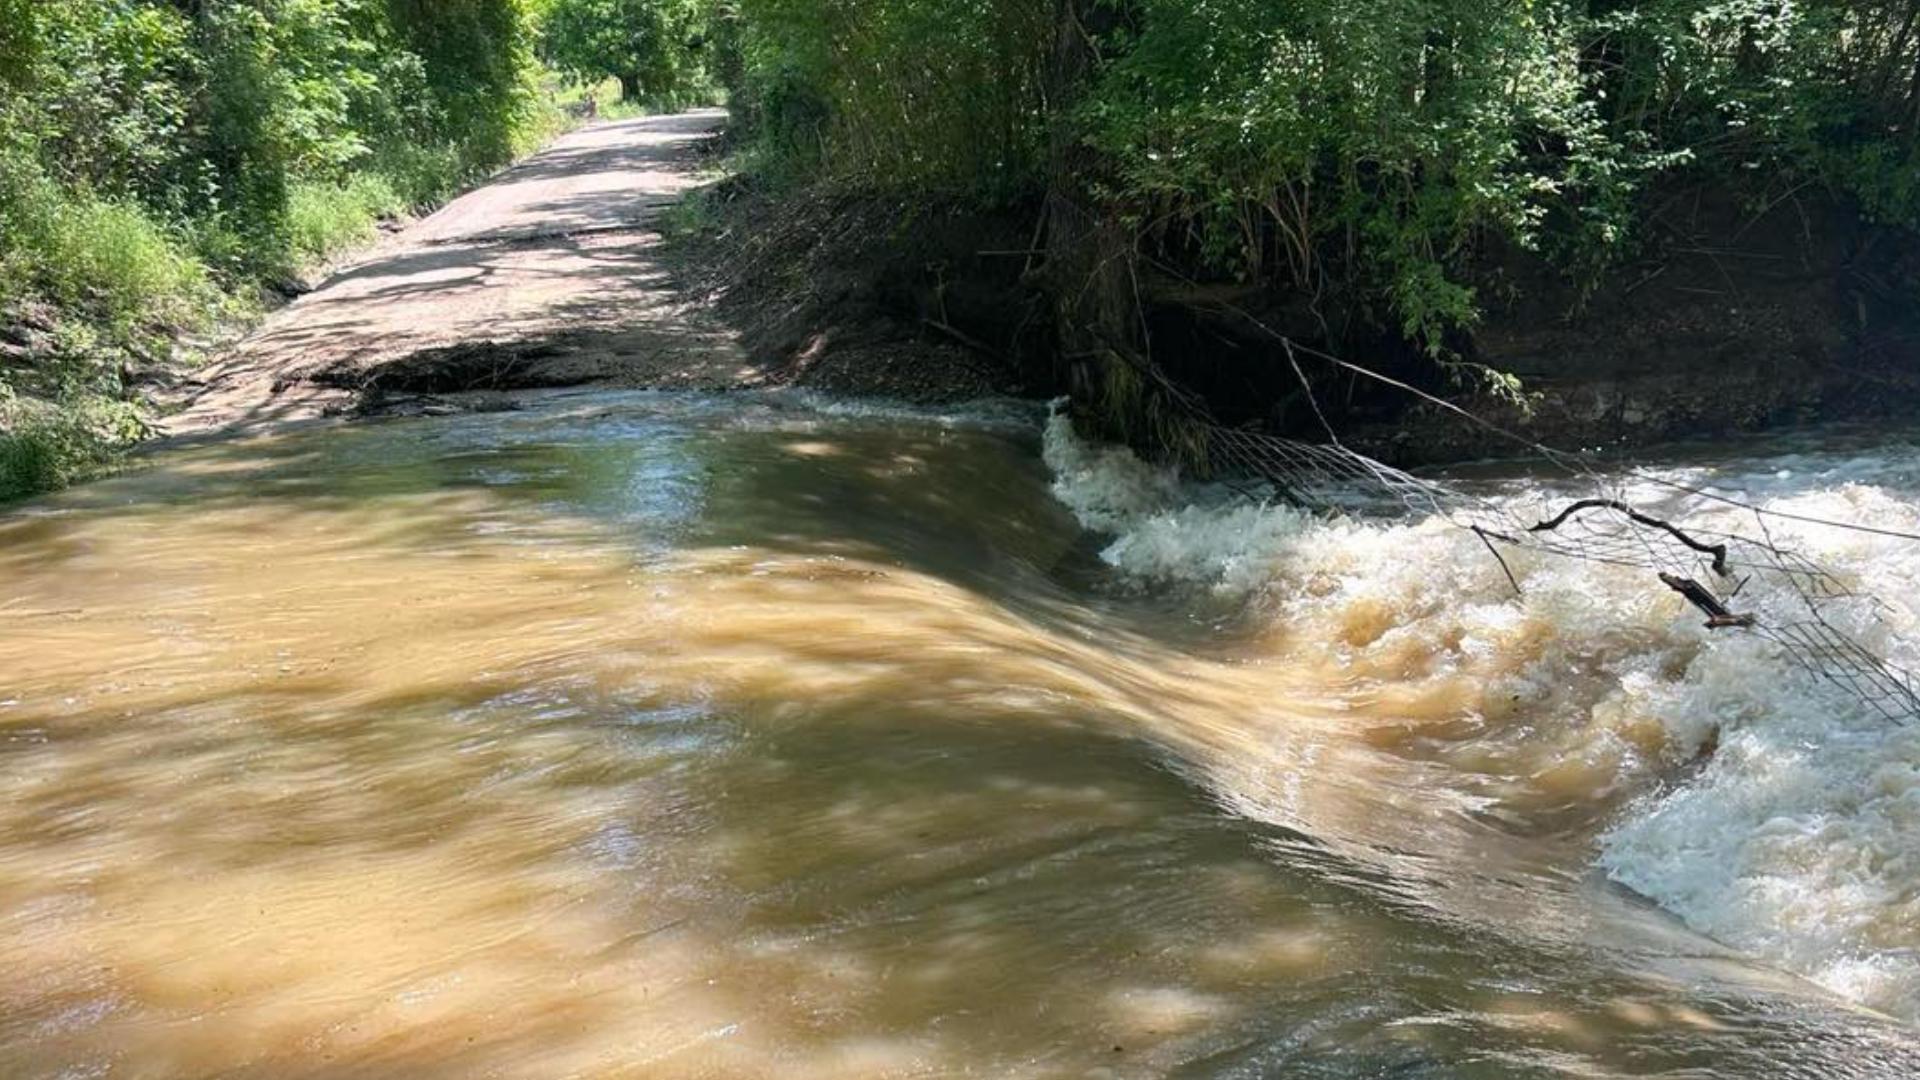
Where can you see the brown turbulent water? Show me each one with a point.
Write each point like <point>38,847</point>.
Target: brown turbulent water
<point>647,736</point>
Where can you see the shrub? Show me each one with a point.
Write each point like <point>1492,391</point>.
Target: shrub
<point>653,48</point>
<point>105,256</point>
<point>324,218</point>
<point>45,448</point>
<point>113,255</point>
<point>1367,147</point>
<point>939,95</point>
<point>158,157</point>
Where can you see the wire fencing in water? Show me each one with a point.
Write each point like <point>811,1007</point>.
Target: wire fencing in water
<point>1741,580</point>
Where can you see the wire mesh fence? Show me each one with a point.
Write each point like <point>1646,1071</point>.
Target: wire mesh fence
<point>1742,582</point>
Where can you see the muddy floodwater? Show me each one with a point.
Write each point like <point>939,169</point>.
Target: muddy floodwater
<point>659,736</point>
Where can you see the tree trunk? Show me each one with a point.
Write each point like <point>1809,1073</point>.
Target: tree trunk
<point>1090,253</point>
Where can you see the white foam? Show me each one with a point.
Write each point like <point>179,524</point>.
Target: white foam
<point>1107,488</point>
<point>1799,839</point>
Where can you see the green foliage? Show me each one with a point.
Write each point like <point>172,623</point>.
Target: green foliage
<point>105,94</point>
<point>1371,148</point>
<point>1822,92</point>
<point>656,49</point>
<point>1328,143</point>
<point>323,218</point>
<point>19,42</point>
<point>45,449</point>
<point>113,256</point>
<point>938,94</point>
<point>155,154</point>
<point>477,70</point>
<point>107,256</point>
<point>208,115</point>
<point>68,421</point>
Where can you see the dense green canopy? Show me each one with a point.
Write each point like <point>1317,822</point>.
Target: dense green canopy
<point>1372,142</point>
<point>653,47</point>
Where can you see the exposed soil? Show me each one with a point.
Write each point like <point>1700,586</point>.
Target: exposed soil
<point>1734,319</point>
<point>867,295</point>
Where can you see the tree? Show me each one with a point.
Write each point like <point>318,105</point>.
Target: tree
<point>19,41</point>
<point>654,47</point>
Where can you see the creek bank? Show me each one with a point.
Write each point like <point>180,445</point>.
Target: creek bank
<point>1729,322</point>
<point>925,302</point>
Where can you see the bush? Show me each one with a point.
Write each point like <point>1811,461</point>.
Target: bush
<point>1370,148</point>
<point>654,49</point>
<point>324,218</point>
<point>114,256</point>
<point>940,95</point>
<point>45,448</point>
<point>158,157</point>
<point>107,257</point>
<point>32,461</point>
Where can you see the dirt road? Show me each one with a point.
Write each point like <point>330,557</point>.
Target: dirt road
<point>548,275</point>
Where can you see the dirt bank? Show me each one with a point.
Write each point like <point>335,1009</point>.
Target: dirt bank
<point>1729,320</point>
<point>911,299</point>
<point>1733,318</point>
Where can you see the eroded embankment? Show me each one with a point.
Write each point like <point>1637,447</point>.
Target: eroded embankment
<point>1725,320</point>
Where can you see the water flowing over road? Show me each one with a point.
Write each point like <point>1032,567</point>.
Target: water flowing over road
<point>659,735</point>
<point>670,734</point>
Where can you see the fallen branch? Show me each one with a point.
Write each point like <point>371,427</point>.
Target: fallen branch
<point>1718,551</point>
<point>1718,617</point>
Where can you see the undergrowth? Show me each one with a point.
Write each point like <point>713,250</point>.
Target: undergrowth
<point>164,167</point>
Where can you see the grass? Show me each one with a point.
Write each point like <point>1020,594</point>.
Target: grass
<point>111,258</point>
<point>30,463</point>
<point>325,219</point>
<point>120,284</point>
<point>116,256</point>
<point>105,281</point>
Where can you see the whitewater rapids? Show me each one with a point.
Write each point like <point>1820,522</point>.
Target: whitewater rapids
<point>1761,805</point>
